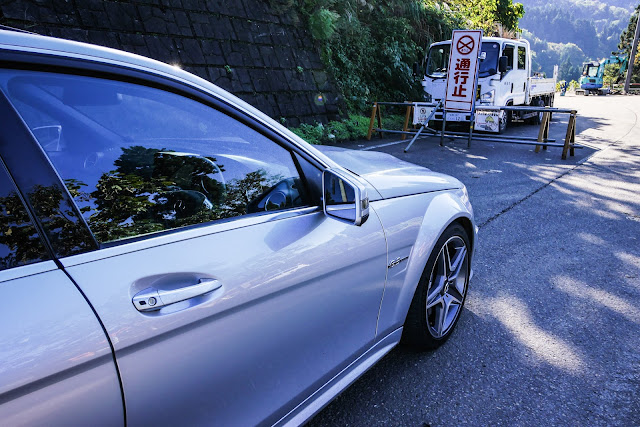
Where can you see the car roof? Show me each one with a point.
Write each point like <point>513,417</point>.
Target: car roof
<point>20,41</point>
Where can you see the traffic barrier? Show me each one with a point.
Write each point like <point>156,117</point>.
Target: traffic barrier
<point>542,141</point>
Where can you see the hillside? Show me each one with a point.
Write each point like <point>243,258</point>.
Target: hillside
<point>569,32</point>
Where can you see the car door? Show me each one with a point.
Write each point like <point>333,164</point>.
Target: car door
<point>509,77</point>
<point>196,204</point>
<point>56,363</point>
<point>521,76</point>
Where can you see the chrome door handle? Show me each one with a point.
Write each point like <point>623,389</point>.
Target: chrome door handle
<point>151,299</point>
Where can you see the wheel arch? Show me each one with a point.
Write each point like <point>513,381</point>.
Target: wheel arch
<point>445,208</point>
<point>466,223</point>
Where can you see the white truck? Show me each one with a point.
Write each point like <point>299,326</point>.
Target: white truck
<point>504,79</point>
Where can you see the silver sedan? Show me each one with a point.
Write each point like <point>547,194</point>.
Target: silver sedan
<point>171,256</point>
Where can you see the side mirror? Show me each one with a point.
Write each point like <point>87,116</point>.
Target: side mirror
<point>502,64</point>
<point>416,69</point>
<point>344,197</point>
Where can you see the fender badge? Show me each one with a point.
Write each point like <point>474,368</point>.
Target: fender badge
<point>396,261</point>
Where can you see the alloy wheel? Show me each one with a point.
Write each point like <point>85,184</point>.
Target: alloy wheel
<point>447,286</point>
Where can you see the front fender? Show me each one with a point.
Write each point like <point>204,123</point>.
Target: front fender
<point>412,226</point>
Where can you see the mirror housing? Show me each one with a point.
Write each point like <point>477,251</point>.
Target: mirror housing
<point>416,69</point>
<point>502,64</point>
<point>344,197</point>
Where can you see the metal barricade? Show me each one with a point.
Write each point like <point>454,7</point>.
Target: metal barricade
<point>542,141</point>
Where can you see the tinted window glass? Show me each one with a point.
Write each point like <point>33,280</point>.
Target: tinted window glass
<point>20,243</point>
<point>508,52</point>
<point>522,58</point>
<point>139,160</point>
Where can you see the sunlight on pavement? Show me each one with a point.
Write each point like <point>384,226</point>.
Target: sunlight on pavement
<point>591,238</point>
<point>632,260</point>
<point>516,317</point>
<point>577,289</point>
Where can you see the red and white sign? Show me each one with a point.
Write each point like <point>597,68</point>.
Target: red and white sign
<point>463,66</point>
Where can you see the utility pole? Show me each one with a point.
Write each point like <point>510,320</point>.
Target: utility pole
<point>632,57</point>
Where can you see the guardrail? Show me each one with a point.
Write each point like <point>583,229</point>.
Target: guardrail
<point>541,142</point>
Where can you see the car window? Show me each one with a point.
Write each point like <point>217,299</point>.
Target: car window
<point>140,160</point>
<point>522,58</point>
<point>20,243</point>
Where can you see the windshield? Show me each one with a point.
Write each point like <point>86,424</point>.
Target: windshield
<point>439,60</point>
<point>489,66</point>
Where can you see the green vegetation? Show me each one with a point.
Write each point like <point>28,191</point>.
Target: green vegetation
<point>570,32</point>
<point>369,47</point>
<point>355,127</point>
<point>611,75</point>
<point>626,41</point>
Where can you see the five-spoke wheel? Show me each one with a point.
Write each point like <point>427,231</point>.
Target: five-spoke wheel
<point>447,286</point>
<point>440,295</point>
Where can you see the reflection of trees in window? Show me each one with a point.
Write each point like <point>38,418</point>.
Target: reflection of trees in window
<point>18,236</point>
<point>151,190</point>
<point>241,192</point>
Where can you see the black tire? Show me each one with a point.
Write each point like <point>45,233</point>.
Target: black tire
<point>443,288</point>
<point>503,123</point>
<point>537,119</point>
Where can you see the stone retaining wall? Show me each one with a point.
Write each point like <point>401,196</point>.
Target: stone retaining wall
<point>261,54</point>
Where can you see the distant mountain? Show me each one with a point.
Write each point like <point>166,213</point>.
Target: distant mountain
<point>570,32</point>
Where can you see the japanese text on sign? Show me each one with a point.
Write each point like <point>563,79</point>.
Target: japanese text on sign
<point>461,78</point>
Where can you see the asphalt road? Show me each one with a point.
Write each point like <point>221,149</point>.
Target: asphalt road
<point>550,334</point>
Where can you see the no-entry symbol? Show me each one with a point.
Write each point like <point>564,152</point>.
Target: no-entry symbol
<point>465,45</point>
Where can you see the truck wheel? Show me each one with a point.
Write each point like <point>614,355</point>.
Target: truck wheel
<point>538,118</point>
<point>502,124</point>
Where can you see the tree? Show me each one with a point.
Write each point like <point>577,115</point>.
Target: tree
<point>485,14</point>
<point>626,43</point>
<point>611,74</point>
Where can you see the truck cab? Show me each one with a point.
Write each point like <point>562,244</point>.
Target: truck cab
<point>504,78</point>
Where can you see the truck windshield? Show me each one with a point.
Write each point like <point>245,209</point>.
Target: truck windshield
<point>489,66</point>
<point>439,60</point>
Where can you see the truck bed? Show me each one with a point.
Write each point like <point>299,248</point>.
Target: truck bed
<point>539,86</point>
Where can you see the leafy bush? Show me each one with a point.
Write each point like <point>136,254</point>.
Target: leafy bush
<point>352,128</point>
<point>322,23</point>
<point>313,134</point>
<point>338,131</point>
<point>369,46</point>
<point>358,126</point>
